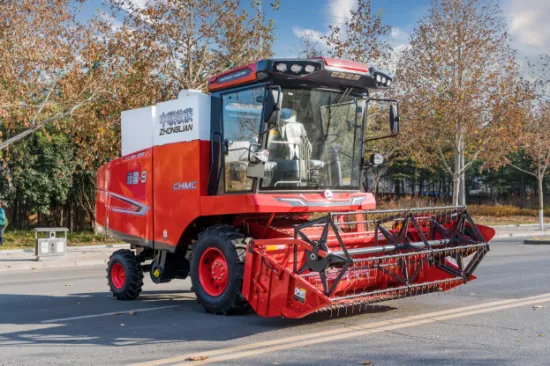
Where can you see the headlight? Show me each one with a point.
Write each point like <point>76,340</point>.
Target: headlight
<point>310,68</point>
<point>383,80</point>
<point>281,67</point>
<point>379,78</point>
<point>295,68</point>
<point>389,82</point>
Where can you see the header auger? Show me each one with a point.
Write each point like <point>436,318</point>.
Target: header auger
<point>256,192</point>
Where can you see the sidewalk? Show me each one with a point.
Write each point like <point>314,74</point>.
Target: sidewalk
<point>14,260</point>
<point>525,230</point>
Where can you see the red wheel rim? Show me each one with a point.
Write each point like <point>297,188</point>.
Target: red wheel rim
<point>118,276</point>
<point>213,272</point>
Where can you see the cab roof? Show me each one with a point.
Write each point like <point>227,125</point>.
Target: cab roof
<point>317,70</point>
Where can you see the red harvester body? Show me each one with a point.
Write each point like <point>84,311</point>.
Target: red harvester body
<point>257,192</point>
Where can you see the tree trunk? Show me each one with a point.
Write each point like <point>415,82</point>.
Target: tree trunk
<point>15,217</point>
<point>541,202</point>
<point>375,181</point>
<point>456,179</point>
<point>70,216</point>
<point>61,216</point>
<point>456,188</point>
<point>462,189</point>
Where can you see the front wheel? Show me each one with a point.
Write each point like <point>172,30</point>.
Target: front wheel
<point>125,275</point>
<point>217,268</point>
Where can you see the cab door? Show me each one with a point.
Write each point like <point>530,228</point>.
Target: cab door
<point>241,122</point>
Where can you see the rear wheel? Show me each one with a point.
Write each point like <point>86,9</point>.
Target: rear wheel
<point>217,268</point>
<point>125,275</point>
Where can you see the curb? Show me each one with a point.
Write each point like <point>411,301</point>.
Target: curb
<point>516,225</point>
<point>69,248</point>
<point>78,257</point>
<point>34,265</point>
<point>512,235</point>
<point>536,242</point>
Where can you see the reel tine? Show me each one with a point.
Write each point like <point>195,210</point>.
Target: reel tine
<point>395,274</point>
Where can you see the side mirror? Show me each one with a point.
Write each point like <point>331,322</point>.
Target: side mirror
<point>376,122</point>
<point>376,159</point>
<point>272,105</point>
<point>394,119</point>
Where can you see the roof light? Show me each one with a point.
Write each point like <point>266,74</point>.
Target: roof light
<point>295,68</point>
<point>309,68</point>
<point>281,67</point>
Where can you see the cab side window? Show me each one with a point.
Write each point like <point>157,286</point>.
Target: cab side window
<point>242,114</point>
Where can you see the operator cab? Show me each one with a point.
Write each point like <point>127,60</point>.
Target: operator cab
<point>295,125</point>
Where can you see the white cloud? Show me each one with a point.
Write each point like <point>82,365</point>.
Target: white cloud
<point>529,24</point>
<point>398,33</point>
<point>312,34</point>
<point>336,13</point>
<point>115,23</point>
<point>399,42</point>
<point>306,32</point>
<point>139,3</point>
<point>339,11</point>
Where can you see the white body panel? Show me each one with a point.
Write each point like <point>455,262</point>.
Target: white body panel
<point>137,129</point>
<point>184,119</point>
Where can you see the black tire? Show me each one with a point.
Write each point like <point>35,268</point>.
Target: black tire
<point>133,281</point>
<point>231,243</point>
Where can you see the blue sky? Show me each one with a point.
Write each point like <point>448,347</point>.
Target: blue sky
<point>314,16</point>
<point>528,20</point>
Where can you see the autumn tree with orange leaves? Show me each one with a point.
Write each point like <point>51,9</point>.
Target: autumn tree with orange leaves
<point>364,38</point>
<point>460,88</point>
<point>361,38</point>
<point>534,137</point>
<point>53,68</point>
<point>51,65</point>
<point>189,41</point>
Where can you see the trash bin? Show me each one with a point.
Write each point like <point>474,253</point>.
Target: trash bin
<point>49,242</point>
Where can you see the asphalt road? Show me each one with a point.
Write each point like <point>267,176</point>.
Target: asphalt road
<point>67,317</point>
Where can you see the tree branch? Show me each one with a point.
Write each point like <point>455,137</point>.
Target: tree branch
<point>524,171</point>
<point>42,123</point>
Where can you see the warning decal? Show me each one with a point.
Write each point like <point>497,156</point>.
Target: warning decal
<point>300,294</point>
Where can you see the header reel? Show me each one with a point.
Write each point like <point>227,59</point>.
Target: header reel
<point>347,258</point>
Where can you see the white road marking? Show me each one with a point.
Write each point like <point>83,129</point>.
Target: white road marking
<point>365,332</point>
<point>289,342</point>
<point>107,314</point>
<point>20,328</point>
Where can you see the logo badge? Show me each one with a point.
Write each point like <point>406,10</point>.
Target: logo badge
<point>328,194</point>
<point>165,235</point>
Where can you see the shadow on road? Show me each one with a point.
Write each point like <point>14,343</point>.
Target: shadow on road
<point>27,320</point>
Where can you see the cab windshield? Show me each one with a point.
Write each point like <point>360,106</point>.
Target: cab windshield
<point>317,143</point>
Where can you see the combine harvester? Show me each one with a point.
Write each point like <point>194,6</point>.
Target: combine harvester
<point>256,191</point>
